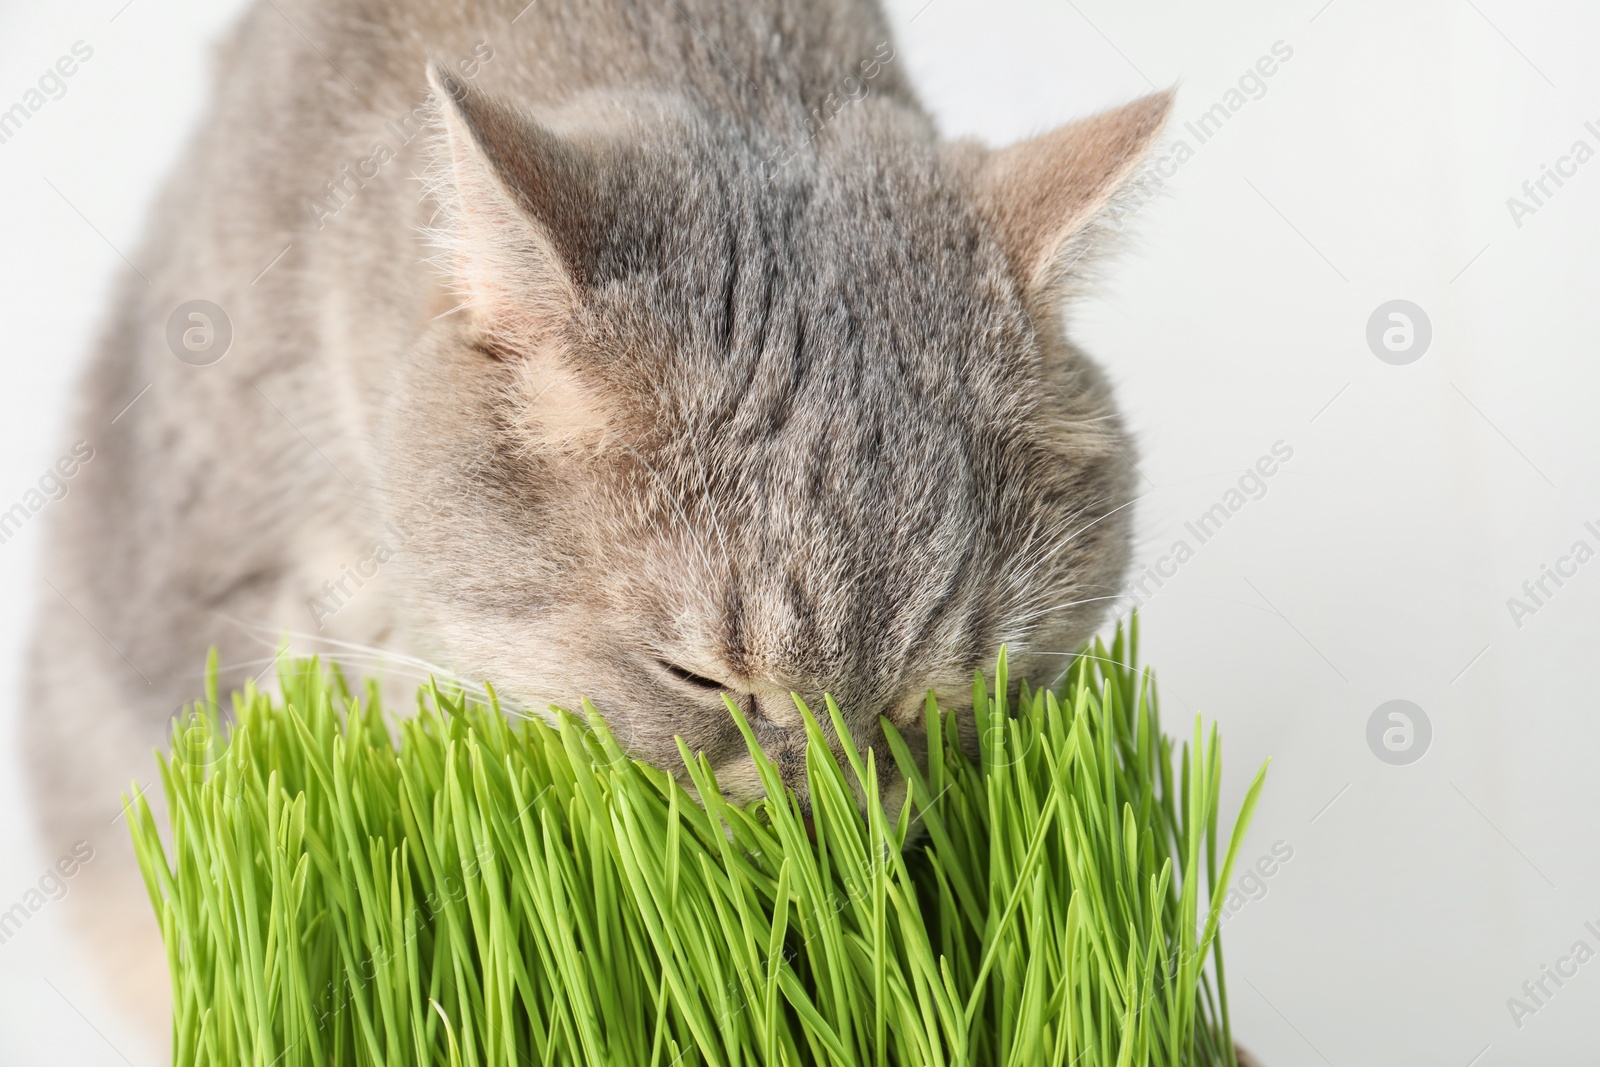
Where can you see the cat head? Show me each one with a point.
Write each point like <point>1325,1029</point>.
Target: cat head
<point>715,425</point>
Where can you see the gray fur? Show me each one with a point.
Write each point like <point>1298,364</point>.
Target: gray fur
<point>791,411</point>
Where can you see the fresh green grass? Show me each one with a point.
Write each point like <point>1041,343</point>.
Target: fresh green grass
<point>489,889</point>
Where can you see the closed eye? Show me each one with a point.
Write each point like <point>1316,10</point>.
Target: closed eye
<point>688,676</point>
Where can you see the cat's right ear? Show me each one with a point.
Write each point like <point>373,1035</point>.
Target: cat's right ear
<point>1052,199</point>
<point>512,228</point>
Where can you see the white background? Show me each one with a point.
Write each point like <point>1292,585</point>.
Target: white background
<point>1376,166</point>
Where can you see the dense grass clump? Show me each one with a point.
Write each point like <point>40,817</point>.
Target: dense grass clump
<point>489,889</point>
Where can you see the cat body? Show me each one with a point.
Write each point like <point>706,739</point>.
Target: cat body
<point>632,351</point>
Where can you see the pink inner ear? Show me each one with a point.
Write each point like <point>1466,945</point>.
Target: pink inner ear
<point>501,265</point>
<point>503,262</point>
<point>1041,192</point>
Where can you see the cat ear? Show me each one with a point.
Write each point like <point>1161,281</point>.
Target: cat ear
<point>513,195</point>
<point>1050,198</point>
<point>512,223</point>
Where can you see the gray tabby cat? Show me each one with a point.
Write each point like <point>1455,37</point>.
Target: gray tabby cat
<point>698,364</point>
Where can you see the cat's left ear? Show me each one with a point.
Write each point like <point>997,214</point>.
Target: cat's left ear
<point>518,230</point>
<point>514,223</point>
<point>1052,198</point>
